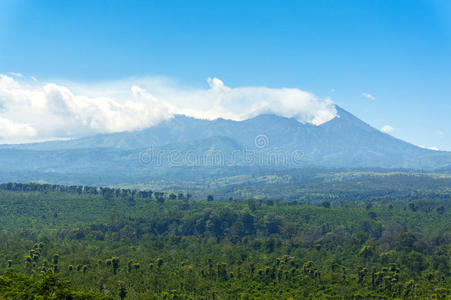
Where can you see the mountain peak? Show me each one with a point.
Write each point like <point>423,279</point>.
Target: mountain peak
<point>344,141</point>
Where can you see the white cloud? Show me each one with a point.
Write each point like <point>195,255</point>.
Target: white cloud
<point>104,114</point>
<point>368,96</point>
<point>217,85</point>
<point>15,74</point>
<point>10,129</point>
<point>429,148</point>
<point>55,111</point>
<point>70,110</point>
<point>387,129</point>
<point>245,102</point>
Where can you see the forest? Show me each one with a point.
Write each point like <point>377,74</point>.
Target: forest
<point>344,242</point>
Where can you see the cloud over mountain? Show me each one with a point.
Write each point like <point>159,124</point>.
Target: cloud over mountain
<point>12,130</point>
<point>387,128</point>
<point>38,110</point>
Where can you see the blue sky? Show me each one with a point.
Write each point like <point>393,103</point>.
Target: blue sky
<point>399,52</point>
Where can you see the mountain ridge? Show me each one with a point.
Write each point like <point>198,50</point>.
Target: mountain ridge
<point>345,141</point>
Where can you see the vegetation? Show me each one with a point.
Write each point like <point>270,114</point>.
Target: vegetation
<point>77,242</point>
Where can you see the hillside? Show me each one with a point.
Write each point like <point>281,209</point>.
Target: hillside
<point>266,141</point>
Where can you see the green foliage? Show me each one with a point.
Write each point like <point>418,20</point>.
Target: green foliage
<point>47,286</point>
<point>180,248</point>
